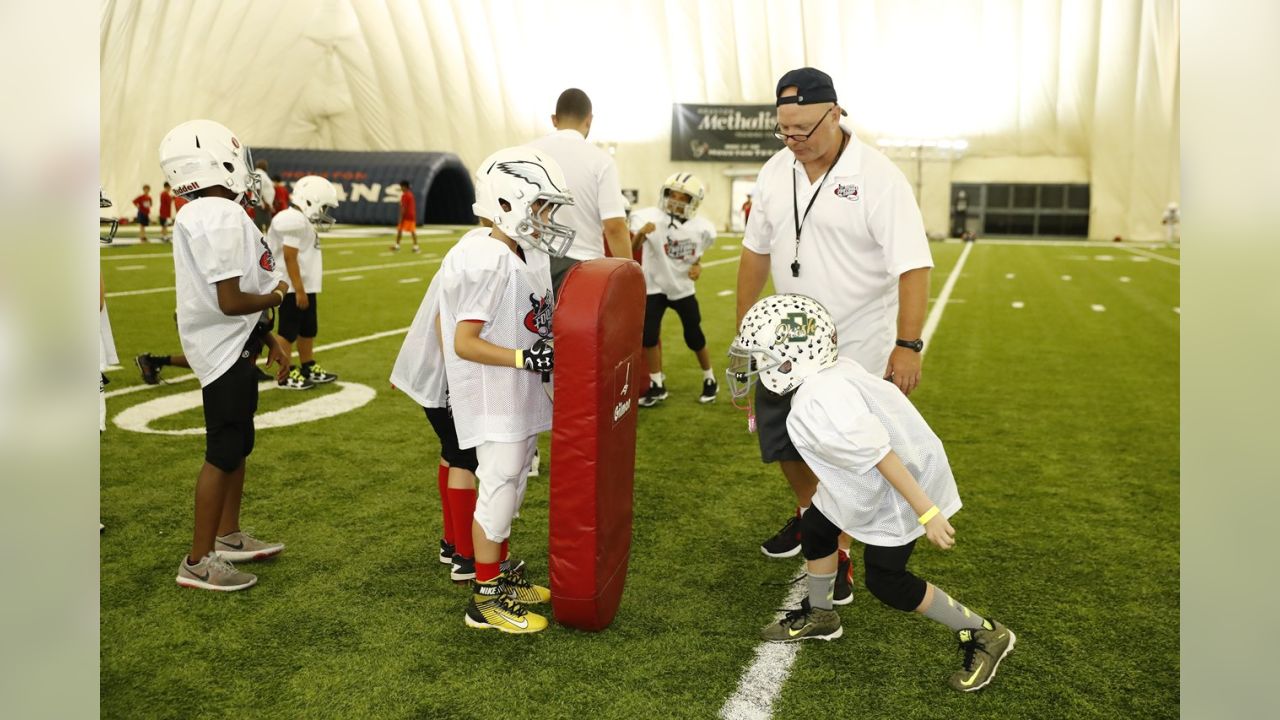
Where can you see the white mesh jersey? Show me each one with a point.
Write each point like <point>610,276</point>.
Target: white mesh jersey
<point>213,240</point>
<point>670,250</point>
<point>290,227</point>
<point>844,420</point>
<point>481,280</point>
<point>419,370</point>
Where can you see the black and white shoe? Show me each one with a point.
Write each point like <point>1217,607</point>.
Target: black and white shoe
<point>709,390</point>
<point>654,395</point>
<point>786,542</point>
<point>295,381</point>
<point>446,553</point>
<point>462,568</point>
<point>149,368</point>
<point>318,376</point>
<point>844,581</point>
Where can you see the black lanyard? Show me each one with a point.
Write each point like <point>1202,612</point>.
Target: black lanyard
<point>795,202</point>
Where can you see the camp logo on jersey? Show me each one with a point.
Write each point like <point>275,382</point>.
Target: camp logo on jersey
<point>538,319</point>
<point>848,192</point>
<point>796,327</point>
<point>679,248</point>
<point>266,260</point>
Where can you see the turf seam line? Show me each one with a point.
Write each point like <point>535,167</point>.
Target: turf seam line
<point>1154,256</point>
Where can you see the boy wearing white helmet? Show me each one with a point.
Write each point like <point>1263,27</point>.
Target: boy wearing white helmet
<point>495,325</point>
<point>227,283</point>
<point>295,236</point>
<point>674,241</point>
<point>883,477</point>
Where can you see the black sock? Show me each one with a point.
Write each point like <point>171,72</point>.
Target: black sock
<point>306,366</point>
<point>159,360</point>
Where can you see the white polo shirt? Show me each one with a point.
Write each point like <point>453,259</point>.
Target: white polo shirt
<point>597,194</point>
<point>213,240</point>
<point>844,421</point>
<point>290,228</point>
<point>419,370</point>
<point>670,250</point>
<point>864,231</point>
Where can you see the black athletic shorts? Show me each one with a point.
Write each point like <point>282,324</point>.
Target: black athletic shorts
<point>229,405</point>
<point>771,426</point>
<point>441,420</point>
<point>295,323</point>
<point>143,219</point>
<point>655,306</point>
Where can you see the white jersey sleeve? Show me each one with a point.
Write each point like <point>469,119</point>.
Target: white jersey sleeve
<point>221,255</point>
<point>475,292</point>
<point>419,369</point>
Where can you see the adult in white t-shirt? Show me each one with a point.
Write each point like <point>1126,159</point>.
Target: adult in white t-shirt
<point>833,219</point>
<point>598,215</point>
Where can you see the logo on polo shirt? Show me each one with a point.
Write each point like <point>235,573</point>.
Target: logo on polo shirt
<point>848,192</point>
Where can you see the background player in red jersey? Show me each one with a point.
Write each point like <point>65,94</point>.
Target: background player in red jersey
<point>408,216</point>
<point>143,204</point>
<point>166,211</point>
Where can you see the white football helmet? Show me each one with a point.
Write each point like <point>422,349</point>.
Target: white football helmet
<point>202,153</point>
<point>107,225</point>
<point>784,339</point>
<point>685,183</point>
<point>315,197</point>
<point>511,183</point>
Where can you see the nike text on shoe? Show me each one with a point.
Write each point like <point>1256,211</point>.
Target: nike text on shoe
<point>492,608</point>
<point>786,542</point>
<point>213,573</point>
<point>805,623</point>
<point>983,649</point>
<point>654,395</point>
<point>446,552</point>
<point>462,568</point>
<point>844,582</point>
<point>295,381</point>
<point>709,390</point>
<point>243,547</point>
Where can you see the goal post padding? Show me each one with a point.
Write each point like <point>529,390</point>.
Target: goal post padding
<point>599,318</point>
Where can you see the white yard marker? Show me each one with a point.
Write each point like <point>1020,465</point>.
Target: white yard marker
<point>388,253</point>
<point>721,261</point>
<point>1178,310</point>
<point>730,247</point>
<point>346,252</point>
<point>762,681</point>
<point>1124,278</point>
<point>1136,258</point>
<point>1067,278</point>
<point>318,348</point>
<point>341,271</point>
<point>724,293</point>
<point>1147,254</point>
<point>1104,258</point>
<point>1098,308</point>
<point>1018,305</point>
<point>132,267</point>
<point>405,281</point>
<point>351,277</point>
<point>1009,276</point>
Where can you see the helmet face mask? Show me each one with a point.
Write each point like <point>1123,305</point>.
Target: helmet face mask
<point>784,340</point>
<point>522,191</point>
<point>685,184</point>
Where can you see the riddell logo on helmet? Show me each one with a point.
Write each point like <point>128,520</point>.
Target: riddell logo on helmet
<point>184,189</point>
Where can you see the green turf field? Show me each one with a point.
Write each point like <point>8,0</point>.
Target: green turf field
<point>1059,415</point>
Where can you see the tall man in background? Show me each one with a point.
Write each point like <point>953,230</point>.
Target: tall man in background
<point>598,215</point>
<point>836,220</point>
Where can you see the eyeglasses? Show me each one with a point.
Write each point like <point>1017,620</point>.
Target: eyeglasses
<point>777,129</point>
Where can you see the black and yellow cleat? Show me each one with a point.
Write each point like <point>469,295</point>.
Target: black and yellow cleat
<point>520,589</point>
<point>983,649</point>
<point>492,608</point>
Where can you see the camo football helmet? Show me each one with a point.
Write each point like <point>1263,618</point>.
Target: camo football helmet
<point>784,340</point>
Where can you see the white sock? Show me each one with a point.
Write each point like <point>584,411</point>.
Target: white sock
<point>657,378</point>
<point>708,374</point>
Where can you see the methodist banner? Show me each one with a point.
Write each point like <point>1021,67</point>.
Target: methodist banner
<point>723,133</point>
<point>368,183</point>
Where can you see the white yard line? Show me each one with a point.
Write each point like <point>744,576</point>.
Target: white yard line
<point>1018,304</point>
<point>762,681</point>
<point>724,293</point>
<point>405,281</point>
<point>1153,256</point>
<point>339,271</point>
<point>351,277</point>
<point>1098,308</point>
<point>319,348</point>
<point>131,267</point>
<point>722,261</point>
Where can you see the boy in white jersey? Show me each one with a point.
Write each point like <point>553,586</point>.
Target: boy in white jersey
<point>674,241</point>
<point>883,477</point>
<point>226,282</point>
<point>495,323</point>
<point>294,236</point>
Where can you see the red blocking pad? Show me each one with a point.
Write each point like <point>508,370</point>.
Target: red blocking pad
<point>598,322</point>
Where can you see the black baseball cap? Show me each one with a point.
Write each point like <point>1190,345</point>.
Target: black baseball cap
<point>813,86</point>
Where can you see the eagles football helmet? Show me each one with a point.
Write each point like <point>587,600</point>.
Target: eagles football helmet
<point>106,225</point>
<point>784,339</point>
<point>522,190</point>
<point>685,183</point>
<point>315,197</point>
<point>202,153</point>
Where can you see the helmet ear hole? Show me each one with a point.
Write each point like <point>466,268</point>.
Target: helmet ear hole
<point>785,368</point>
<point>229,167</point>
<point>506,206</point>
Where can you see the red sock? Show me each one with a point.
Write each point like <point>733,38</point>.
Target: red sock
<point>462,508</point>
<point>442,483</point>
<point>502,555</point>
<point>486,571</point>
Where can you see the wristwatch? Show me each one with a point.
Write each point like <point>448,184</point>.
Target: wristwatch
<point>917,345</point>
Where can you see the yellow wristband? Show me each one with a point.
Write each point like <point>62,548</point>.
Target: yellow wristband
<point>520,359</point>
<point>928,515</point>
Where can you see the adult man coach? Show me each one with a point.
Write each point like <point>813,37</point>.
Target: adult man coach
<point>834,219</point>
<point>598,214</point>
